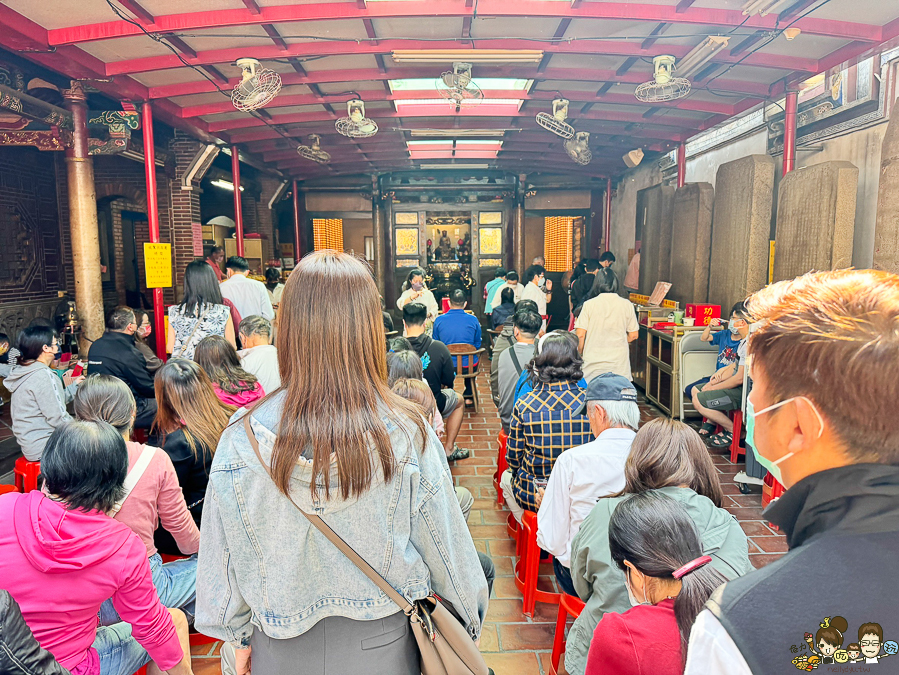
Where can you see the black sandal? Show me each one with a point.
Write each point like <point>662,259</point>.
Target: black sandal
<point>707,429</point>
<point>722,440</point>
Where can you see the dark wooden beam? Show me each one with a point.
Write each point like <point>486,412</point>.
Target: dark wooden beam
<point>273,33</point>
<point>181,46</point>
<point>137,9</point>
<point>683,6</point>
<point>252,6</point>
<point>626,66</point>
<point>652,39</point>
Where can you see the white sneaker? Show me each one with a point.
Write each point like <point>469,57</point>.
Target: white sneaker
<point>746,479</point>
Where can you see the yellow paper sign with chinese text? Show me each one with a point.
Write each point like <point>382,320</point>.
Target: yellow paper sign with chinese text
<point>158,263</point>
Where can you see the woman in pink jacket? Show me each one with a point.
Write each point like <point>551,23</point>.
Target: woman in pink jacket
<point>154,496</point>
<point>232,384</point>
<point>61,556</point>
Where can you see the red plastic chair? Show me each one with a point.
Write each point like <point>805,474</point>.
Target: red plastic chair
<point>8,488</point>
<point>195,639</point>
<point>528,567</point>
<point>568,606</point>
<point>501,465</point>
<point>735,448</point>
<point>26,475</point>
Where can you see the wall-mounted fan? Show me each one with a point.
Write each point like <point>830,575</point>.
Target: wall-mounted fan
<point>257,88</point>
<point>556,122</point>
<point>356,124</point>
<point>313,151</point>
<point>578,148</point>
<point>458,88</point>
<point>664,86</point>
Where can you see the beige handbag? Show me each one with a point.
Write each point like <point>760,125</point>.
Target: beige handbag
<point>446,647</point>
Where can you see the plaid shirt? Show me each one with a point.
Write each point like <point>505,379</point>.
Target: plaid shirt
<point>545,422</point>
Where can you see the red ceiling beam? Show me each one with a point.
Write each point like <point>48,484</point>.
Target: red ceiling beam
<point>473,112</point>
<point>350,47</point>
<point>225,106</point>
<point>201,86</point>
<point>624,11</point>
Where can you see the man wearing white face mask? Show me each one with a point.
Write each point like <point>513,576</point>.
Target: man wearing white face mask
<point>822,417</point>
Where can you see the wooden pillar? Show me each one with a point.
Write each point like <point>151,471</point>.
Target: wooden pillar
<point>83,224</point>
<point>377,221</point>
<point>518,238</point>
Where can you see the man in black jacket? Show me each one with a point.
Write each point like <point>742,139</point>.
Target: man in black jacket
<point>115,354</point>
<point>823,417</point>
<point>439,373</point>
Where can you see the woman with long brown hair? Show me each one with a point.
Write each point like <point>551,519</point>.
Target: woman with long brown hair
<point>341,445</point>
<point>231,383</point>
<point>668,458</point>
<point>189,421</point>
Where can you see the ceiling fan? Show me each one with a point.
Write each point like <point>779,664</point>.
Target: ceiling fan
<point>257,87</point>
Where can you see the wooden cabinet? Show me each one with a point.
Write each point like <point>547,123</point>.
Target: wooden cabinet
<point>256,251</point>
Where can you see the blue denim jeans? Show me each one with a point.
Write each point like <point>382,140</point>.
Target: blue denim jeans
<point>176,585</point>
<point>119,652</point>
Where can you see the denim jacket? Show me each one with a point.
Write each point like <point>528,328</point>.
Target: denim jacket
<point>263,565</point>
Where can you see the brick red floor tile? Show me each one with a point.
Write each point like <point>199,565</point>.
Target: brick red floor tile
<point>512,663</point>
<point>526,636</point>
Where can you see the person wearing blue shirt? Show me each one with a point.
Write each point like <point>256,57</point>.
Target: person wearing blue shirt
<point>727,343</point>
<point>491,287</point>
<point>458,327</point>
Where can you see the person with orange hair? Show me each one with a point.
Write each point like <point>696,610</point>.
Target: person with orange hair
<point>822,418</point>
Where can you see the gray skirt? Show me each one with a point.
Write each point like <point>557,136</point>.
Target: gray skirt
<point>340,646</point>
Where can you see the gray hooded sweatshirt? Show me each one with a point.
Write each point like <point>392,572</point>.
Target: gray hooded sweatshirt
<point>37,407</point>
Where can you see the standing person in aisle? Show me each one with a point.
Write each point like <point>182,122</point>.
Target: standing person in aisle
<point>534,285</point>
<point>336,442</point>
<point>605,327</point>
<point>202,312</point>
<point>491,288</point>
<point>416,291</point>
<point>248,295</point>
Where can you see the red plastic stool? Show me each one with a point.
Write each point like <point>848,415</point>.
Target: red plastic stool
<point>528,566</point>
<point>771,491</point>
<point>26,475</point>
<point>735,448</point>
<point>8,488</point>
<point>568,606</point>
<point>501,465</point>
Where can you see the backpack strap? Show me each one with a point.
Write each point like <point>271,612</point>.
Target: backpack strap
<point>137,471</point>
<point>515,360</point>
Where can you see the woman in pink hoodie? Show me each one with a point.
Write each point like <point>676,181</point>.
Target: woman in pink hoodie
<point>154,496</point>
<point>232,384</point>
<point>61,556</point>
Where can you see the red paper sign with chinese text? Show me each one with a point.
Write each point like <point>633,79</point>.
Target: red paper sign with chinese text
<point>703,313</point>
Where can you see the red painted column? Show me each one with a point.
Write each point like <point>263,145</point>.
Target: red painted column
<point>153,218</point>
<point>790,107</point>
<point>238,211</point>
<point>297,229</point>
<point>681,165</point>
<point>607,215</point>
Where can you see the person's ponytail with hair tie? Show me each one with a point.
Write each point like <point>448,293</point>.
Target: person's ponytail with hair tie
<point>694,564</point>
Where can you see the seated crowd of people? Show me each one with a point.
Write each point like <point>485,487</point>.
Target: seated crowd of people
<point>169,495</point>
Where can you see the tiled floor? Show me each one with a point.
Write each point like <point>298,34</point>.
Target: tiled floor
<point>512,643</point>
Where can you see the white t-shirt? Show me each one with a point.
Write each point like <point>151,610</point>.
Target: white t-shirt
<point>249,296</point>
<point>534,292</point>
<point>580,477</point>
<point>262,361</point>
<point>607,319</point>
<point>427,299</point>
<point>712,651</point>
<point>517,289</point>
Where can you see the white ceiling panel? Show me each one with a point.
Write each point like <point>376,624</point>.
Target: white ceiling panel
<point>158,78</point>
<point>229,37</point>
<point>127,48</point>
<point>62,13</point>
<point>306,31</point>
<point>351,62</point>
<point>418,29</point>
<point>500,27</point>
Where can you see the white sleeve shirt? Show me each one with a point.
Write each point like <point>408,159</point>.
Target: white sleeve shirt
<point>249,296</point>
<point>712,651</point>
